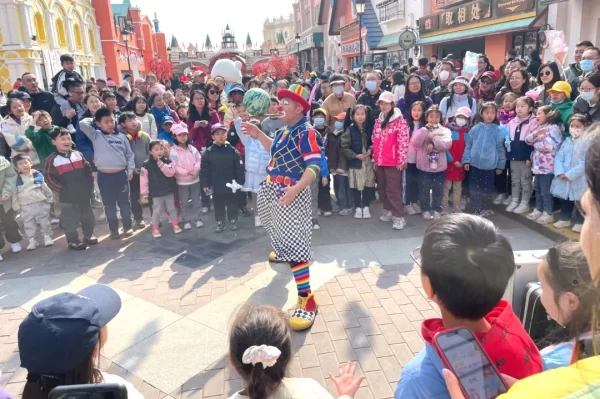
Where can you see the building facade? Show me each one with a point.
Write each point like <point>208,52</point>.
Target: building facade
<point>331,44</point>
<point>276,32</point>
<point>35,33</point>
<point>310,50</point>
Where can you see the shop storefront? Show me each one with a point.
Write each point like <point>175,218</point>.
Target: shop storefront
<point>482,26</point>
<point>351,46</point>
<point>311,49</point>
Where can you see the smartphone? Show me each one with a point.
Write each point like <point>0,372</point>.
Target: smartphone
<point>89,391</point>
<point>462,353</point>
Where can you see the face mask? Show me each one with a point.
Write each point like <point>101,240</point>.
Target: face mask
<point>339,125</point>
<point>587,95</point>
<point>338,90</point>
<point>575,132</point>
<point>586,65</point>
<point>460,122</point>
<point>454,74</point>
<point>444,75</point>
<point>557,102</point>
<point>370,85</point>
<point>319,121</point>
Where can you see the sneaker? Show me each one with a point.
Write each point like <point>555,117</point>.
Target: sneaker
<point>522,208</point>
<point>257,222</point>
<point>220,227</point>
<point>486,213</point>
<point>499,199</point>
<point>177,229</point>
<point>316,225</point>
<point>16,247</point>
<point>205,210</point>
<point>115,235</point>
<point>139,225</point>
<point>446,210</point>
<point>577,228</point>
<point>305,313</point>
<point>508,200</point>
<point>48,241</point>
<point>199,223</point>
<point>102,217</point>
<point>127,233</point>
<point>187,226</point>
<point>399,223</point>
<point>33,244</point>
<point>92,240</point>
<point>386,216</point>
<point>427,215</point>
<point>545,218</point>
<point>410,210</point>
<point>366,213</point>
<point>54,221</point>
<point>561,224</point>
<point>436,215</point>
<point>327,214</point>
<point>417,208</point>
<point>511,207</point>
<point>273,258</point>
<point>77,246</point>
<point>233,225</point>
<point>534,215</point>
<point>358,214</point>
<point>346,212</point>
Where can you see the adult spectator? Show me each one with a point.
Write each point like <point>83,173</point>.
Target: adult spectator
<point>219,81</point>
<point>323,91</point>
<point>214,99</point>
<point>254,84</point>
<point>485,90</point>
<point>386,84</point>
<point>535,63</point>
<point>483,65</point>
<point>338,101</point>
<point>348,85</point>
<point>154,86</point>
<point>367,67</point>
<point>398,85</point>
<point>396,66</point>
<point>459,97</point>
<point>127,81</point>
<point>517,82</point>
<point>101,83</point>
<point>266,85</point>
<point>40,100</point>
<point>508,58</point>
<point>425,75</point>
<point>160,111</point>
<point>590,63</point>
<point>68,116</point>
<point>547,75</point>
<point>370,96</point>
<point>434,59</point>
<point>167,84</point>
<point>17,84</point>
<point>282,84</point>
<point>457,66</point>
<point>415,92</point>
<point>140,84</point>
<point>588,101</point>
<point>574,70</point>
<point>200,120</point>
<point>443,80</point>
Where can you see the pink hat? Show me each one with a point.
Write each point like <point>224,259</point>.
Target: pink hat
<point>534,95</point>
<point>179,128</point>
<point>386,97</point>
<point>466,111</point>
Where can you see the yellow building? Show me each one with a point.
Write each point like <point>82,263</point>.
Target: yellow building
<point>34,33</point>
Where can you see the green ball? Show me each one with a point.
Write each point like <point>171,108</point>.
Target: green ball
<point>257,101</point>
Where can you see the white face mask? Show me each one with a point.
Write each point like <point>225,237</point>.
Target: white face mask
<point>460,122</point>
<point>575,132</point>
<point>444,75</point>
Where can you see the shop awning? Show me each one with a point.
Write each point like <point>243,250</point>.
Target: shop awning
<point>476,32</point>
<point>389,40</point>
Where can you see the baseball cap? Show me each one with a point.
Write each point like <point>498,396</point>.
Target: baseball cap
<point>180,128</point>
<point>62,330</point>
<point>168,119</point>
<point>561,87</point>
<point>20,95</point>
<point>340,117</point>
<point>217,126</point>
<point>386,97</point>
<point>236,87</point>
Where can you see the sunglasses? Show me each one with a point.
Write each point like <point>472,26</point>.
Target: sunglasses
<point>212,92</point>
<point>545,73</point>
<point>486,81</point>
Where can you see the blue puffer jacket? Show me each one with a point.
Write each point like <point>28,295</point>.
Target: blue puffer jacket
<point>570,161</point>
<point>485,147</point>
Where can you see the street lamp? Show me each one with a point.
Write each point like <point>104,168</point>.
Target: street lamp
<point>359,7</point>
<point>125,34</point>
<point>169,52</point>
<point>298,45</point>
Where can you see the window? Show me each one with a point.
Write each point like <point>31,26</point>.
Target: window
<point>60,32</point>
<point>391,9</point>
<point>92,40</point>
<point>77,34</point>
<point>40,31</point>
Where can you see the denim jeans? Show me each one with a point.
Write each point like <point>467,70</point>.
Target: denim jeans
<point>566,211</point>
<point>342,191</point>
<point>544,201</point>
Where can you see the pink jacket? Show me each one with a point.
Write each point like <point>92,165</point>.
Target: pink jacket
<point>412,151</point>
<point>525,130</point>
<point>441,138</point>
<point>390,145</point>
<point>167,170</point>
<point>186,162</point>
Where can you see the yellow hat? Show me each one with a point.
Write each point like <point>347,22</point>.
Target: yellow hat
<point>321,110</point>
<point>561,87</point>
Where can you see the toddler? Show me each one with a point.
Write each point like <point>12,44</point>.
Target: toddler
<point>338,165</point>
<point>166,134</point>
<point>8,178</point>
<point>411,190</point>
<point>322,198</point>
<point>455,173</point>
<point>39,134</point>
<point>502,182</point>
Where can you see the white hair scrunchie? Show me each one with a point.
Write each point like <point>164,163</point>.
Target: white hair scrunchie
<point>264,354</point>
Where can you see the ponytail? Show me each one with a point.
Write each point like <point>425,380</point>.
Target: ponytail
<point>257,386</point>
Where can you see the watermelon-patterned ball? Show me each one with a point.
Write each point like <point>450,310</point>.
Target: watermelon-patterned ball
<point>257,101</point>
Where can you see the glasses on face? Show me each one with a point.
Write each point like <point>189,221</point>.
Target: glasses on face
<point>586,89</point>
<point>416,256</point>
<point>212,92</point>
<point>414,84</point>
<point>545,73</point>
<point>486,82</point>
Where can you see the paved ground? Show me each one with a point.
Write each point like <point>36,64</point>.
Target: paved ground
<point>170,338</point>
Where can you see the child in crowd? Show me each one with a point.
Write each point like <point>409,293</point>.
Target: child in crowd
<point>63,78</point>
<point>69,174</point>
<point>503,181</point>
<point>546,140</point>
<point>238,110</point>
<point>411,191</point>
<point>110,101</point>
<point>139,105</point>
<point>455,173</point>
<point>560,96</point>
<point>567,297</point>
<point>431,143</point>
<point>158,184</point>
<point>186,163</point>
<point>520,155</point>
<point>39,134</point>
<point>260,349</point>
<point>73,323</point>
<point>13,129</point>
<point>508,111</point>
<point>167,134</point>
<point>272,123</point>
<point>8,179</point>
<point>182,112</point>
<point>357,148</point>
<point>338,165</point>
<point>123,97</point>
<point>570,182</point>
<point>465,267</point>
<point>33,199</point>
<point>140,146</point>
<point>115,162</point>
<point>484,154</point>
<point>221,164</point>
<point>323,197</point>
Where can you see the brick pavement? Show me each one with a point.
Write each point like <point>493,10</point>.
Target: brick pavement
<point>370,312</point>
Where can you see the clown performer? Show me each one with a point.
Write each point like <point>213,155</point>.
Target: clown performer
<point>284,199</point>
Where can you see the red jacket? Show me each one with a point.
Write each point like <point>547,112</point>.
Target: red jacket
<point>200,136</point>
<point>506,342</point>
<point>456,151</point>
<point>390,145</point>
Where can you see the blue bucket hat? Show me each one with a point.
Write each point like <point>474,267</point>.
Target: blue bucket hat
<point>62,330</point>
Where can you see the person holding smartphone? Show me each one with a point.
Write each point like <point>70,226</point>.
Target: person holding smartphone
<point>61,339</point>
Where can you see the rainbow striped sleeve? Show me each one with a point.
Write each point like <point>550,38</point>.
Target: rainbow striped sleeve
<point>310,148</point>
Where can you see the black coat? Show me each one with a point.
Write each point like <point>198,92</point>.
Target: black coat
<point>159,185</point>
<point>221,164</point>
<point>42,101</point>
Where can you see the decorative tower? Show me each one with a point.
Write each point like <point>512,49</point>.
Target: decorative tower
<point>156,28</point>
<point>228,39</point>
<point>248,41</point>
<point>207,44</point>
